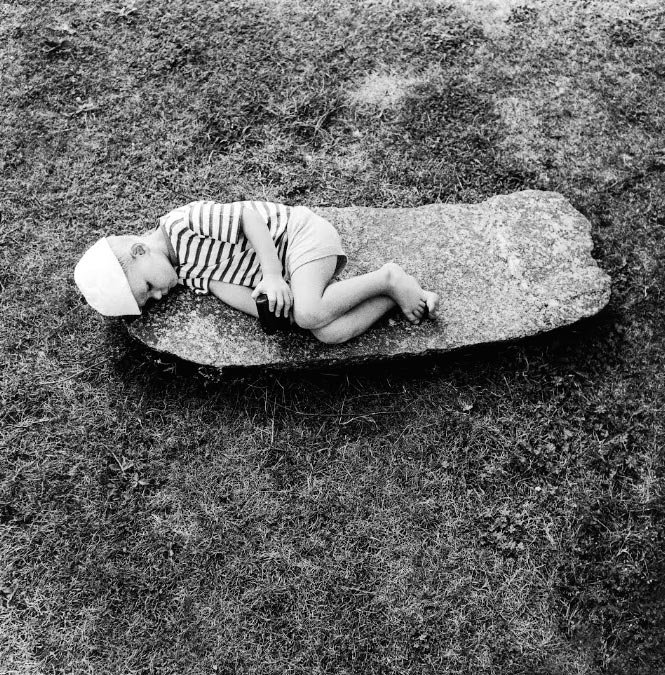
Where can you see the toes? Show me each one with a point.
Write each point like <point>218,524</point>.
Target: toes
<point>433,305</point>
<point>424,309</point>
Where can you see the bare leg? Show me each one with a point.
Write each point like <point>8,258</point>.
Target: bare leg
<point>355,322</point>
<point>317,302</point>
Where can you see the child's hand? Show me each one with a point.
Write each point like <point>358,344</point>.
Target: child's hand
<point>280,299</point>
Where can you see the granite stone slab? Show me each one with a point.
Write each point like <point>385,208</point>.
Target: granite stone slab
<point>513,266</point>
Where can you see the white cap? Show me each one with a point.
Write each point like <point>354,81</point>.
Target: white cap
<point>103,283</point>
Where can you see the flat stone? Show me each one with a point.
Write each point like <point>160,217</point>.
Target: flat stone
<point>513,266</point>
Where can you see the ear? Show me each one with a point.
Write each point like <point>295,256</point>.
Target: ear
<point>138,248</point>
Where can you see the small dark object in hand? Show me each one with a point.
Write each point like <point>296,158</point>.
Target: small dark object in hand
<point>269,321</point>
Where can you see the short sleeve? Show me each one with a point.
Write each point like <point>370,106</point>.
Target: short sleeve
<point>217,221</point>
<point>199,285</point>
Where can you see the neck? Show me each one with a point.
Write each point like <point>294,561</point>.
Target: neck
<point>155,240</point>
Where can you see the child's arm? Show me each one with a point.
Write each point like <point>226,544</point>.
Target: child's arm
<point>272,284</point>
<point>239,297</point>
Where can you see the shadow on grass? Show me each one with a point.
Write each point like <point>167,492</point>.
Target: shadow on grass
<point>578,347</point>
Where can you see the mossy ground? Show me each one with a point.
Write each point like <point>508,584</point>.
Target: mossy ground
<point>500,512</point>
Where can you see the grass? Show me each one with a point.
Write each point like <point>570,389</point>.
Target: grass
<point>499,512</point>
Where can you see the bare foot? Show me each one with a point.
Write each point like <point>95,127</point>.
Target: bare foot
<point>428,307</point>
<point>432,301</point>
<point>411,298</point>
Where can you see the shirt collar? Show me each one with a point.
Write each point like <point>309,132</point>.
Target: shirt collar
<point>169,246</point>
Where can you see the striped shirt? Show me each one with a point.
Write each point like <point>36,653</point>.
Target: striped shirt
<point>209,242</point>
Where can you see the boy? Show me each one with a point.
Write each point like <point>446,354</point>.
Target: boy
<point>239,250</point>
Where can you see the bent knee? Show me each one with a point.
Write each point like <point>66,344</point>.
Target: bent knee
<point>308,319</point>
<point>329,336</point>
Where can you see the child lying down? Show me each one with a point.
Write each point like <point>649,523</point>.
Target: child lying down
<point>240,250</point>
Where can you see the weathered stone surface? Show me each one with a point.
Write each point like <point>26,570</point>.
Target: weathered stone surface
<point>512,266</point>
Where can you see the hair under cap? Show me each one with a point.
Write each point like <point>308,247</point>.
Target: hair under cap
<point>103,283</point>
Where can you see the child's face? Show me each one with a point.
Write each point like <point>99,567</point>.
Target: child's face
<point>150,276</point>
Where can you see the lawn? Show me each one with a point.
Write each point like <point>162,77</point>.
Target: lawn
<point>500,511</point>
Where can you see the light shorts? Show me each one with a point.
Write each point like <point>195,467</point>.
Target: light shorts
<point>311,238</point>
